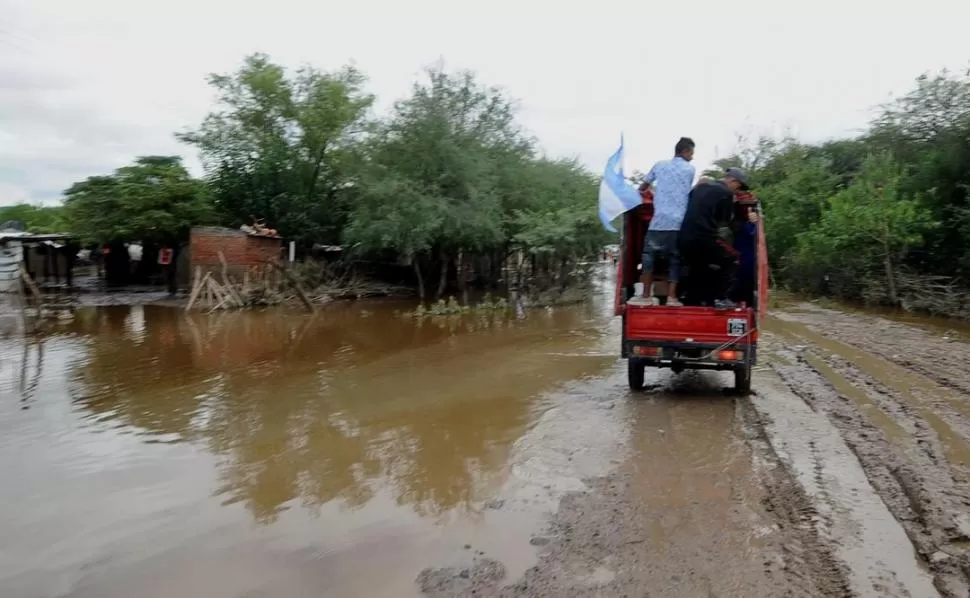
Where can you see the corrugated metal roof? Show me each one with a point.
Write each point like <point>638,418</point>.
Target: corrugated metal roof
<point>13,235</point>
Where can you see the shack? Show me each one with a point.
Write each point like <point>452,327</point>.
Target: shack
<point>241,249</point>
<point>11,258</point>
<point>49,253</point>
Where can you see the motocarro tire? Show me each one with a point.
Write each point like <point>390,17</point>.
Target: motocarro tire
<point>635,372</point>
<point>742,381</point>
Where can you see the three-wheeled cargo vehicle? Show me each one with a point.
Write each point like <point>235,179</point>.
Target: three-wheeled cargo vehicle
<point>686,337</point>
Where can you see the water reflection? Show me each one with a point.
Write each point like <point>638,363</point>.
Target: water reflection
<point>31,370</point>
<point>303,411</point>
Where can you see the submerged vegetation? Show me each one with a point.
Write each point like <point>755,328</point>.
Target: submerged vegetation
<point>452,307</point>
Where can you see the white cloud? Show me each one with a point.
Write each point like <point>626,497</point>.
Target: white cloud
<point>86,86</point>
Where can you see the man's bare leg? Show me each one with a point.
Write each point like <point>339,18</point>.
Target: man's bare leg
<point>672,299</point>
<point>647,280</point>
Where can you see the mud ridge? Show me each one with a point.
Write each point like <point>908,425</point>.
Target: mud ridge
<point>912,476</point>
<point>811,566</point>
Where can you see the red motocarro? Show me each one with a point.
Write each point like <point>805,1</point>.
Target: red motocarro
<point>686,337</point>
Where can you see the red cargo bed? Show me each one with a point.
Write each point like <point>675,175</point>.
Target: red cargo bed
<point>688,324</point>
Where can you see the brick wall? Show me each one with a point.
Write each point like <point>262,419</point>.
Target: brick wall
<point>240,250</point>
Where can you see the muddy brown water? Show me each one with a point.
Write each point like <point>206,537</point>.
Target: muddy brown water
<point>147,453</point>
<point>235,448</point>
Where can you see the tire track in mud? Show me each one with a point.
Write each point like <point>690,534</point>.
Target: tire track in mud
<point>852,519</point>
<point>939,353</point>
<point>901,426</point>
<point>946,411</point>
<point>810,564</point>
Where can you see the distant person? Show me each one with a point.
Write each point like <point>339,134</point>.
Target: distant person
<point>705,242</point>
<point>672,180</point>
<point>135,251</point>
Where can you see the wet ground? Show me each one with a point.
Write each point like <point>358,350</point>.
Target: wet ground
<point>147,453</point>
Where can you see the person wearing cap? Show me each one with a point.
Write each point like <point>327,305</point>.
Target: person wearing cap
<point>705,238</point>
<point>672,179</point>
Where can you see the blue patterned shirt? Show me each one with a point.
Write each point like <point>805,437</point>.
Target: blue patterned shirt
<point>673,179</point>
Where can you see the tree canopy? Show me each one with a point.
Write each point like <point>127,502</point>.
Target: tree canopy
<point>452,175</point>
<point>883,217</point>
<point>37,218</point>
<point>448,183</point>
<point>282,148</point>
<point>153,200</point>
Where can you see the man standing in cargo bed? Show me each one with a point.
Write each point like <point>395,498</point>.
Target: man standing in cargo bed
<point>705,240</point>
<point>673,180</point>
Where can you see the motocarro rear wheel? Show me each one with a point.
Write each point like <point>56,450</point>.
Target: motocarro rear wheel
<point>742,381</point>
<point>635,372</point>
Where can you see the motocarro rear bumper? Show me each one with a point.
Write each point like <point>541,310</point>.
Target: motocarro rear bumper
<point>696,356</point>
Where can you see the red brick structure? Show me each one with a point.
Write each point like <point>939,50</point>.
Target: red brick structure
<point>240,249</point>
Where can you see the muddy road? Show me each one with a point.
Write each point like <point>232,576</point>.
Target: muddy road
<point>145,453</point>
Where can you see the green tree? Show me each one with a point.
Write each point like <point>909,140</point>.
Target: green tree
<point>154,200</point>
<point>430,191</point>
<point>37,219</point>
<point>751,156</point>
<point>928,129</point>
<point>557,223</point>
<point>452,184</point>
<point>284,149</point>
<point>883,216</point>
<point>794,188</point>
<point>868,229</point>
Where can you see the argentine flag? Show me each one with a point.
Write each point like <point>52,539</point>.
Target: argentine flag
<point>616,195</point>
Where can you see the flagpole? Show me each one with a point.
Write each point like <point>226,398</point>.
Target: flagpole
<point>623,160</point>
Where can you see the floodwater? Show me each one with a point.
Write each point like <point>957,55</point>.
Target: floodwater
<point>146,452</point>
<point>155,453</point>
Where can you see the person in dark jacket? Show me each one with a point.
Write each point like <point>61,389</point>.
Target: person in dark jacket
<point>706,242</point>
<point>745,242</point>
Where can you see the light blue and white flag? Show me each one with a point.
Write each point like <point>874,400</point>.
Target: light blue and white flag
<point>616,195</point>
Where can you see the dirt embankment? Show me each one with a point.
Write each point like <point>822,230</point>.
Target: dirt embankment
<point>848,477</point>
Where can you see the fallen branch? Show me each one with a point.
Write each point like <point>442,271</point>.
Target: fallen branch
<point>296,286</point>
<point>196,287</point>
<point>275,283</point>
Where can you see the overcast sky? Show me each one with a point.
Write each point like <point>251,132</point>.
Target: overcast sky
<point>85,86</point>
